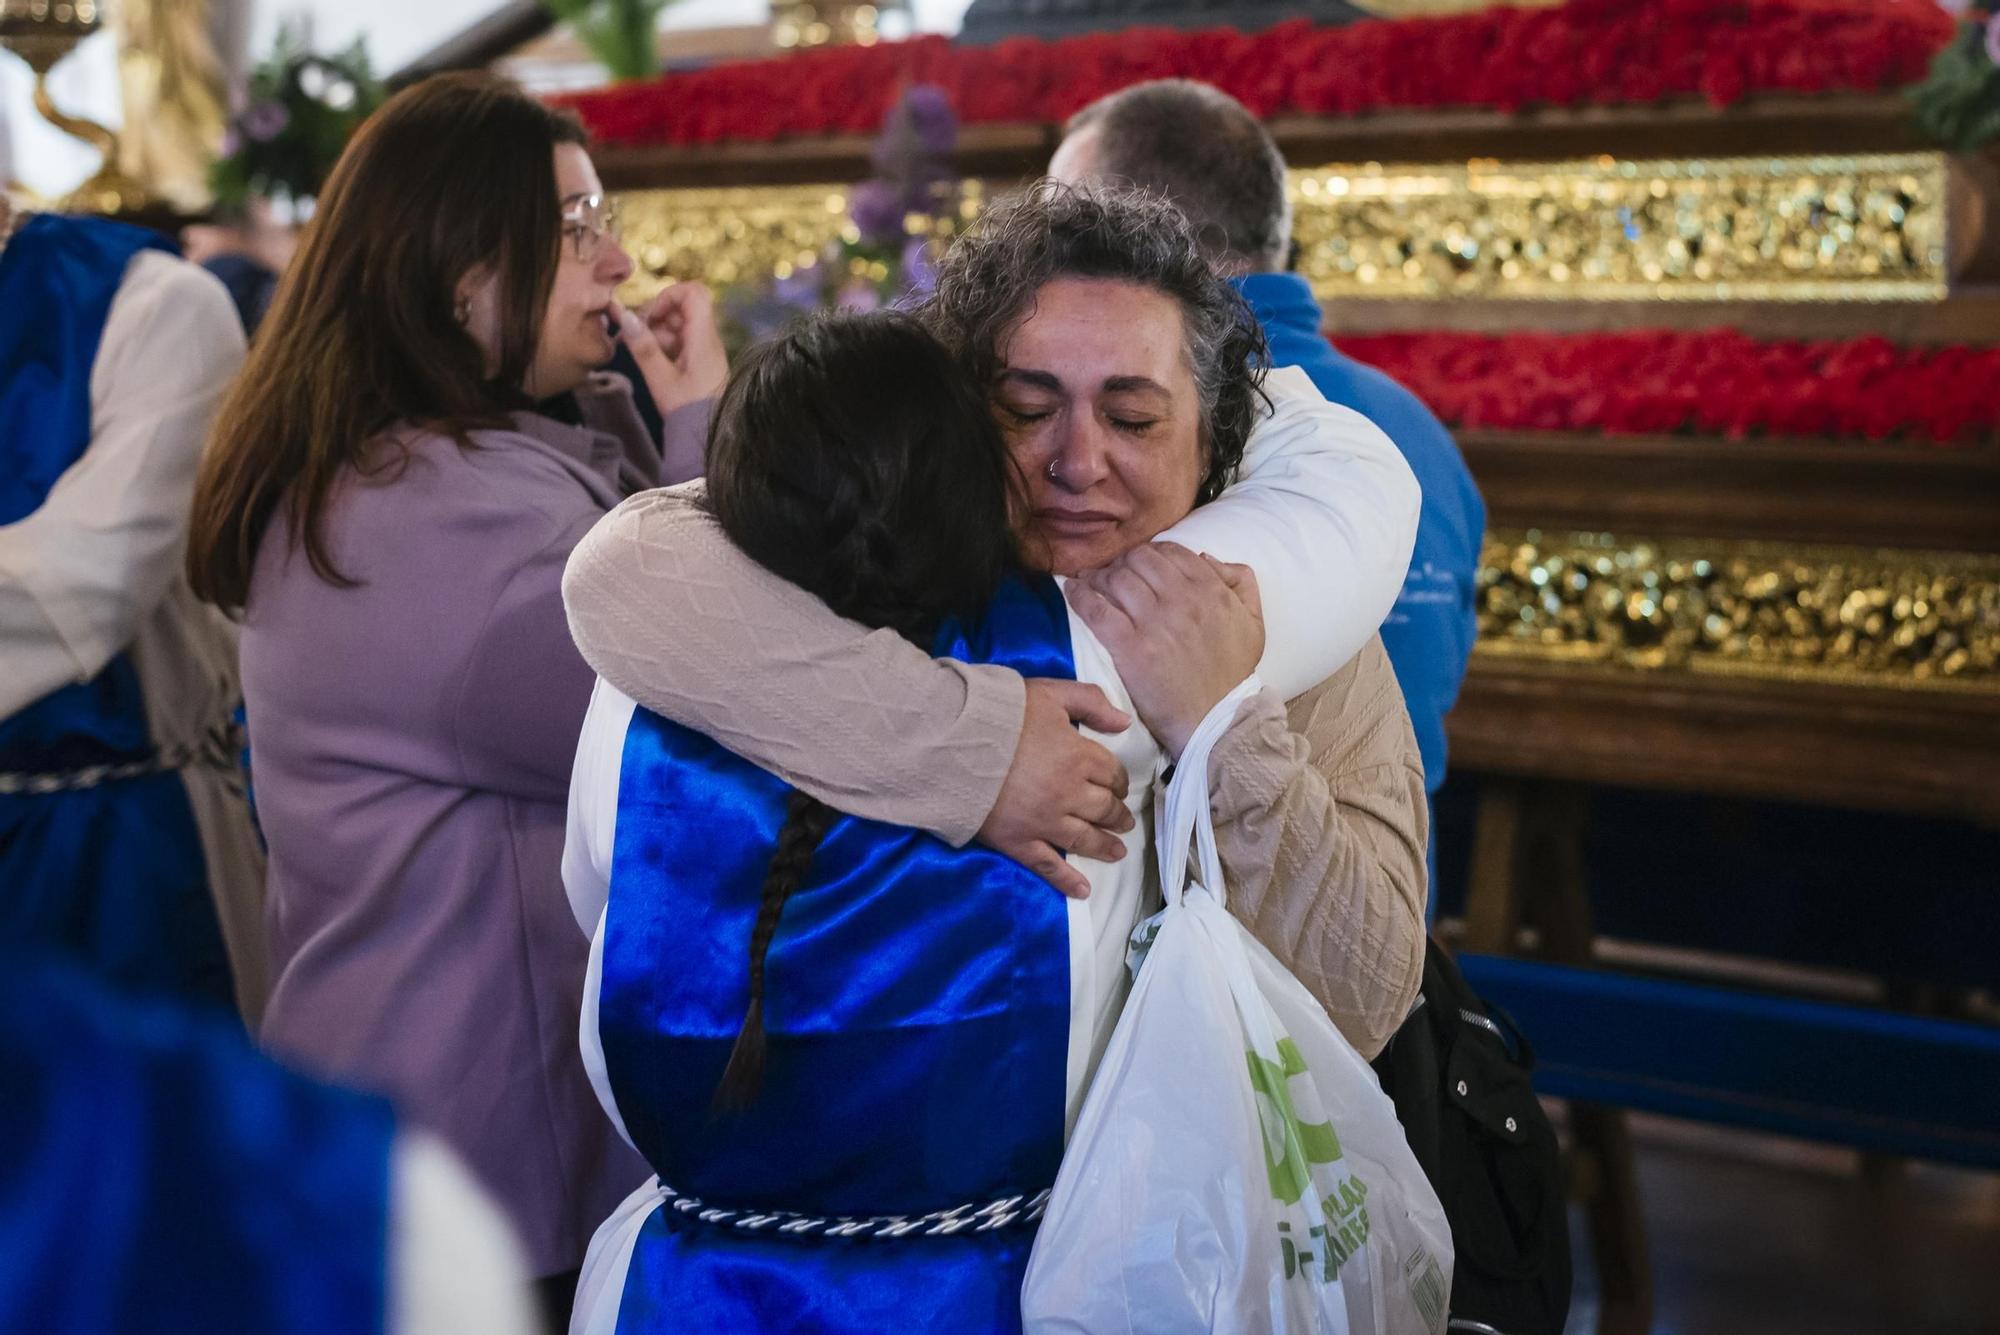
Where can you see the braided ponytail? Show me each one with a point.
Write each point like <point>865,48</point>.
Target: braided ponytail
<point>851,456</point>
<point>807,820</point>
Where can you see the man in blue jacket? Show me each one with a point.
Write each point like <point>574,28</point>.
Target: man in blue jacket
<point>1206,152</point>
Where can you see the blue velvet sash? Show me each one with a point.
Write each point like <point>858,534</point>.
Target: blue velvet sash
<point>917,1003</point>
<point>115,873</point>
<point>158,1175</point>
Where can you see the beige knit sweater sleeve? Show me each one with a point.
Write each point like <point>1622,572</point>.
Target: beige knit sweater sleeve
<point>1319,804</point>
<point>1321,824</point>
<point>666,609</point>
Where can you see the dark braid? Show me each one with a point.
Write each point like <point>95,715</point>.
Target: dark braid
<point>807,820</point>
<point>853,457</point>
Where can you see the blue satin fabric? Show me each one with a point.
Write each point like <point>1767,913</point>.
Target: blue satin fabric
<point>112,874</point>
<point>917,1005</point>
<point>158,1175</point>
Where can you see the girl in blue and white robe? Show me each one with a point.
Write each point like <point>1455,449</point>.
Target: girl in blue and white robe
<point>935,1013</point>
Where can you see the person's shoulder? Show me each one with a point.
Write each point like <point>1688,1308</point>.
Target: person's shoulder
<point>178,287</point>
<point>171,307</point>
<point>1381,396</point>
<point>657,514</point>
<point>1424,440</point>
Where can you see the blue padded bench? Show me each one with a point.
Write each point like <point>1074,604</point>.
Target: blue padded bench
<point>1896,1084</point>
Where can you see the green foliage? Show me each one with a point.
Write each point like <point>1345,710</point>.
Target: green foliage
<point>622,34</point>
<point>1958,103</point>
<point>296,120</point>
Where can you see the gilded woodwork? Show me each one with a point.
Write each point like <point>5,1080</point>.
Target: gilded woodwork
<point>1853,228</point>
<point>1918,620</point>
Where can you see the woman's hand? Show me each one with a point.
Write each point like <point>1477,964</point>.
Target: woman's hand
<point>675,341</point>
<point>1183,630</point>
<point>1064,793</point>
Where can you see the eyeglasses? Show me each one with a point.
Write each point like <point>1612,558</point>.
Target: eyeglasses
<point>587,221</point>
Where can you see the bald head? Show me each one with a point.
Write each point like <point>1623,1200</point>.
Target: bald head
<point>1199,147</point>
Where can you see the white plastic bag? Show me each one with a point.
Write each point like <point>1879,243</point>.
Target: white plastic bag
<point>1236,1167</point>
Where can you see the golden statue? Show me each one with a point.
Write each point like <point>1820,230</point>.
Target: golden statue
<point>42,32</point>
<point>176,92</point>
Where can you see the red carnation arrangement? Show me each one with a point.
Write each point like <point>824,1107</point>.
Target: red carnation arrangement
<point>1711,383</point>
<point>1600,52</point>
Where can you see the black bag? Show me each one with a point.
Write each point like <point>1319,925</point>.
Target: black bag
<point>1457,1072</point>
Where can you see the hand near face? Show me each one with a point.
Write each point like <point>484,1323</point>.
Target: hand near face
<point>1183,630</point>
<point>675,341</point>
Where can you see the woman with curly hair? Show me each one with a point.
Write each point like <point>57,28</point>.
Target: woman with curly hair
<point>850,1051</point>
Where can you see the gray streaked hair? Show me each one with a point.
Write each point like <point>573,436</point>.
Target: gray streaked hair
<point>1205,151</point>
<point>987,281</point>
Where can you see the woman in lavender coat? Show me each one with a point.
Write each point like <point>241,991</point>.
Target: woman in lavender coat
<point>391,518</point>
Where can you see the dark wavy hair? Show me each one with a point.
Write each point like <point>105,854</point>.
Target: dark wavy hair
<point>851,456</point>
<point>987,282</point>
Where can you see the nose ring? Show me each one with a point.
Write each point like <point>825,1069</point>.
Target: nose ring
<point>1052,470</point>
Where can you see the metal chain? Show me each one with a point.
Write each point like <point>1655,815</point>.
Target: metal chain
<point>993,1215</point>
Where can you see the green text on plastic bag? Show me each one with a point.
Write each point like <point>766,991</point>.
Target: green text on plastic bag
<point>1292,1146</point>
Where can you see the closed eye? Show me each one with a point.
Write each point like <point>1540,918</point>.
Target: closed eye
<point>1135,426</point>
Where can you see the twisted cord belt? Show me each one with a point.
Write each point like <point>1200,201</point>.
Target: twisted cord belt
<point>217,749</point>
<point>997,1214</point>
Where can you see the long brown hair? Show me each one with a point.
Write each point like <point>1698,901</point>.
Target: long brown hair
<point>452,174</point>
<point>853,458</point>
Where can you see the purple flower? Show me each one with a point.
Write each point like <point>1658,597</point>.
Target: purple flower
<point>264,121</point>
<point>877,208</point>
<point>931,116</point>
<point>1993,39</point>
<point>859,296</point>
<point>919,272</point>
<point>799,291</point>
<point>232,141</point>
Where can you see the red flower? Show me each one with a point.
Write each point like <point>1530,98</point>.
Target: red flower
<point>1587,51</point>
<point>1712,383</point>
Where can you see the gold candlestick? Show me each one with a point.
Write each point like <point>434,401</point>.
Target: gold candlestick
<point>42,32</point>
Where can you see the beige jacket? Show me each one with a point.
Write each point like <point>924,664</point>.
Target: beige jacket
<point>1319,803</point>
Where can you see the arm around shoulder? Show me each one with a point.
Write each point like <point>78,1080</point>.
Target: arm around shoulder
<point>1325,512</point>
<point>667,610</point>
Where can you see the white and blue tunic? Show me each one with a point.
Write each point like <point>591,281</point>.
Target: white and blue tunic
<point>125,841</point>
<point>933,1013</point>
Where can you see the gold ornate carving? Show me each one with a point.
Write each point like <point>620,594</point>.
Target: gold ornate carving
<point>803,23</point>
<point>175,93</point>
<point>726,236</point>
<point>1898,618</point>
<point>1792,229</point>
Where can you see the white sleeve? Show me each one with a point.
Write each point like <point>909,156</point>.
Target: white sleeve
<point>81,574</point>
<point>1325,511</point>
<point>455,1267</point>
<point>593,803</point>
